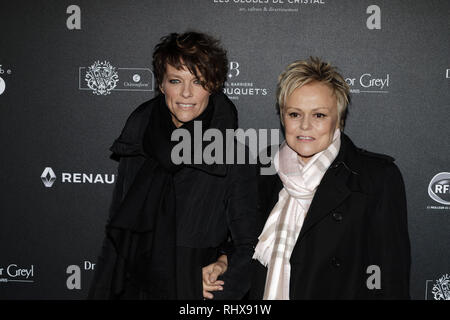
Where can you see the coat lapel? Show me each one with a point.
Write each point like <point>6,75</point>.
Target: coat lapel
<point>336,185</point>
<point>331,192</point>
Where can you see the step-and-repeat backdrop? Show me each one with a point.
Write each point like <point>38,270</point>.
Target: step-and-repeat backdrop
<point>57,123</point>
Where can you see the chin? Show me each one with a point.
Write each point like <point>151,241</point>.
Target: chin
<point>305,152</point>
<point>306,156</point>
<point>185,117</point>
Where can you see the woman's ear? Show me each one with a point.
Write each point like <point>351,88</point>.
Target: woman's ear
<point>161,89</point>
<point>281,117</point>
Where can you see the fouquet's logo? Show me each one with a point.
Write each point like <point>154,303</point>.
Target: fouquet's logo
<point>441,288</point>
<point>48,177</point>
<point>237,87</point>
<point>101,78</point>
<point>439,188</point>
<point>234,69</point>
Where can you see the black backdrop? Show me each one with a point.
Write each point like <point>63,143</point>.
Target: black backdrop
<point>55,124</point>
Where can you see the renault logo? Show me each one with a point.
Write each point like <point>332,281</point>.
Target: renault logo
<point>48,177</point>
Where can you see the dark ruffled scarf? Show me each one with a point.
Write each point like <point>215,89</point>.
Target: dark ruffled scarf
<point>143,230</point>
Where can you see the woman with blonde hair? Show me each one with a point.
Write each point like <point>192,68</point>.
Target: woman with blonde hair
<point>336,220</point>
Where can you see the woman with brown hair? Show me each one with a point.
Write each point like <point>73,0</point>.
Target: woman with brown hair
<point>168,220</point>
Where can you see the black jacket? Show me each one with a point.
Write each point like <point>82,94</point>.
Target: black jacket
<point>357,219</point>
<point>213,203</point>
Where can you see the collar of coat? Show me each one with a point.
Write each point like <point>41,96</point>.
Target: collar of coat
<point>342,178</point>
<point>352,158</point>
<point>345,171</point>
<point>129,143</point>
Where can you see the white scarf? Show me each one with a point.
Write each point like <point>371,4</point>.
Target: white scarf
<point>280,233</point>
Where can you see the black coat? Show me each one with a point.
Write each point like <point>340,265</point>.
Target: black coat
<point>213,203</point>
<point>357,219</point>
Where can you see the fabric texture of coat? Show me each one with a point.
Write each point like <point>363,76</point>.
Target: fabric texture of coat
<point>354,243</point>
<point>213,204</point>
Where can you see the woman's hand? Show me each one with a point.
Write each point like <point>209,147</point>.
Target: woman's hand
<point>210,275</point>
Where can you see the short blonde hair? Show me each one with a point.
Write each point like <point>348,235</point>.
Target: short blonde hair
<point>302,72</point>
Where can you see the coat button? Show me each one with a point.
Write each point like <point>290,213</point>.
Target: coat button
<point>336,262</point>
<point>337,216</point>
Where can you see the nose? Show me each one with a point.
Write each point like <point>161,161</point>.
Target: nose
<point>305,122</point>
<point>187,91</point>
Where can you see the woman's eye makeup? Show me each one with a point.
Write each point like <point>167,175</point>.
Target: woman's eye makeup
<point>196,81</point>
<point>318,115</point>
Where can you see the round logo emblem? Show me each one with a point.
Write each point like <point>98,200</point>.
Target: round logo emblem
<point>439,188</point>
<point>2,85</point>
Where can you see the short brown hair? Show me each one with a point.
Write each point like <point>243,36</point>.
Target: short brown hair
<point>198,52</point>
<point>301,72</point>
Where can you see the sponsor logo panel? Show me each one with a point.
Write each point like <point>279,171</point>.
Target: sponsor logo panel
<point>439,191</point>
<point>438,289</point>
<point>4,74</point>
<point>269,6</point>
<point>17,273</point>
<point>49,177</point>
<point>238,85</point>
<point>369,82</point>
<point>102,78</point>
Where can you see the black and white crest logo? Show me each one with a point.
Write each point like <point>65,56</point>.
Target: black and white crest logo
<point>101,78</point>
<point>441,289</point>
<point>439,188</point>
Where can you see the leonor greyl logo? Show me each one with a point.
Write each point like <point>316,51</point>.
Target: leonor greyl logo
<point>16,273</point>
